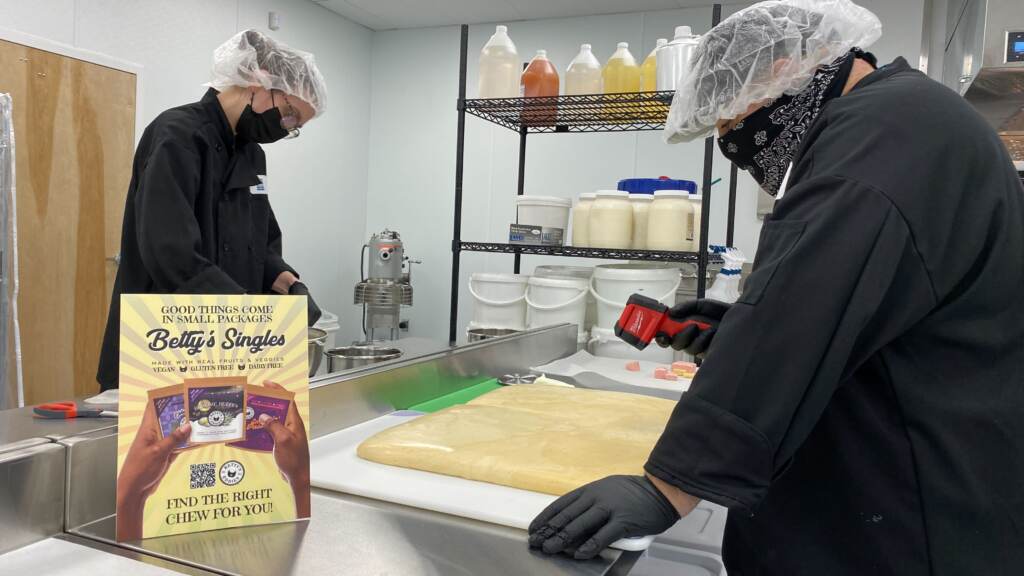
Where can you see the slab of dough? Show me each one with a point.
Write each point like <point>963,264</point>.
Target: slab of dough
<point>541,438</point>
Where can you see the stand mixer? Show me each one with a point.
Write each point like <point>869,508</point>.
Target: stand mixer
<point>385,288</point>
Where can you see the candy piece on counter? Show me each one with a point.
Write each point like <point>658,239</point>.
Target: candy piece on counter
<point>633,366</point>
<point>670,376</point>
<point>660,373</point>
<point>690,366</point>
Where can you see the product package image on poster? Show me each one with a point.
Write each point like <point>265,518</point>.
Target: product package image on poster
<point>214,413</point>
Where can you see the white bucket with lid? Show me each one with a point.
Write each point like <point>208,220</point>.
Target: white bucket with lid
<point>606,344</point>
<point>556,301</point>
<point>581,272</point>
<point>544,211</point>
<point>613,284</point>
<point>499,300</point>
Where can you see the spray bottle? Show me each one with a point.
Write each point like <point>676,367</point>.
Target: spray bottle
<point>726,287</point>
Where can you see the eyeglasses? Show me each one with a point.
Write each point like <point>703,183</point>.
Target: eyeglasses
<point>289,121</point>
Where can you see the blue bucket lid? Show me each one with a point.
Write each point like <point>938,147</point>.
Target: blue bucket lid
<point>650,185</point>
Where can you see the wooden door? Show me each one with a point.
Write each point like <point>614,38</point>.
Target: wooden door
<point>74,127</point>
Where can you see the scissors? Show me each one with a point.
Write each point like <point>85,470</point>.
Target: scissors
<point>69,410</point>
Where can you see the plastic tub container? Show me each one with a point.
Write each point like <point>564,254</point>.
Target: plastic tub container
<point>641,204</point>
<point>669,220</point>
<point>613,284</point>
<point>556,301</point>
<point>611,220</point>
<point>581,219</point>
<point>545,211</point>
<point>581,272</point>
<point>606,344</point>
<point>696,206</point>
<point>499,300</point>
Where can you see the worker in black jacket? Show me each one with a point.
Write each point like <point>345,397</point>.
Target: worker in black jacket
<point>861,407</point>
<point>197,218</point>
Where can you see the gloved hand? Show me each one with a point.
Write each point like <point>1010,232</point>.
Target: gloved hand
<point>313,312</point>
<point>692,339</point>
<point>587,520</point>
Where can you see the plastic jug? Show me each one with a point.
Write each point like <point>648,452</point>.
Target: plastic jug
<point>649,69</point>
<point>540,79</point>
<point>584,73</point>
<point>674,58</point>
<point>621,74</point>
<point>499,67</point>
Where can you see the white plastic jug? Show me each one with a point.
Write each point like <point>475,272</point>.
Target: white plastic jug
<point>584,73</point>
<point>674,58</point>
<point>556,301</point>
<point>499,300</point>
<point>613,284</point>
<point>500,69</point>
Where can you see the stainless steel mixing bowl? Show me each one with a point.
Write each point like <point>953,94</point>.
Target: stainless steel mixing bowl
<point>317,341</point>
<point>349,357</point>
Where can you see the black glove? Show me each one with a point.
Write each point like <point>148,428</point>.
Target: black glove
<point>587,520</point>
<point>692,339</point>
<point>313,312</point>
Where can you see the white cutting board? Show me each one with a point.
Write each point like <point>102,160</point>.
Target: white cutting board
<point>581,364</point>
<point>334,465</point>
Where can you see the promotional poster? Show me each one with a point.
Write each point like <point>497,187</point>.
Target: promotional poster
<point>214,413</point>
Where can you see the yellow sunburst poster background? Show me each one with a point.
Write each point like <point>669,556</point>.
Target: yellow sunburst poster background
<point>142,369</point>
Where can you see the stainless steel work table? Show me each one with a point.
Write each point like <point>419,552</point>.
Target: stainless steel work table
<point>18,425</point>
<point>347,534</point>
<point>357,536</point>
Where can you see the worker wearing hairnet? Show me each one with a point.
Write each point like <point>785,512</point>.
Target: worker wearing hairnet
<point>861,407</point>
<point>198,218</point>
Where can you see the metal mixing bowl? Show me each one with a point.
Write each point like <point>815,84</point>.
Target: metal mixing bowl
<point>317,341</point>
<point>480,334</point>
<point>349,357</point>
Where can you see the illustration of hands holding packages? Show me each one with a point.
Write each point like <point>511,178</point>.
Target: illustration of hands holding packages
<point>206,411</point>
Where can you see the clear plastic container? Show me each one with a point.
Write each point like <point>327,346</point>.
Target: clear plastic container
<point>500,67</point>
<point>641,210</point>
<point>669,220</point>
<point>696,206</point>
<point>581,219</point>
<point>649,69</point>
<point>584,73</point>
<point>621,74</point>
<point>611,220</point>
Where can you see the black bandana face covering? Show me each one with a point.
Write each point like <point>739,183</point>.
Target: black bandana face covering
<point>764,143</point>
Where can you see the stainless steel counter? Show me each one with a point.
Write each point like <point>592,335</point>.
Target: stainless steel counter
<point>357,536</point>
<point>18,425</point>
<point>347,534</point>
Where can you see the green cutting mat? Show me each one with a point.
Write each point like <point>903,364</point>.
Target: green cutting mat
<point>458,397</point>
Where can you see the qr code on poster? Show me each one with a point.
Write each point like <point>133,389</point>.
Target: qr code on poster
<point>202,475</point>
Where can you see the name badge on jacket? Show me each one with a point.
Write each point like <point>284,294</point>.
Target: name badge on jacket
<point>260,188</point>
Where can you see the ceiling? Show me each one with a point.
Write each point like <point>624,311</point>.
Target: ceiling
<point>389,14</point>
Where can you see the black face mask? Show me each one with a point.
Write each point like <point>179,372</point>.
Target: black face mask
<point>262,127</point>
<point>765,142</point>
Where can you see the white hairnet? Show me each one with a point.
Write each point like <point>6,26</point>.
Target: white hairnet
<point>760,53</point>
<point>250,58</point>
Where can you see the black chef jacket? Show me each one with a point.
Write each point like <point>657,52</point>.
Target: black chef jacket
<point>861,410</point>
<point>192,222</point>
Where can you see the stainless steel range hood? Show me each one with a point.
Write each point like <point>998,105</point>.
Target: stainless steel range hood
<point>985,60</point>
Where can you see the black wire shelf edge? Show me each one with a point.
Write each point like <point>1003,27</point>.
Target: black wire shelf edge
<point>582,113</point>
<point>578,252</point>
